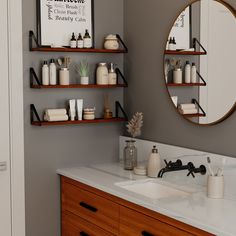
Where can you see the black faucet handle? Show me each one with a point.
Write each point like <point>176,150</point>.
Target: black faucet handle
<point>171,164</point>
<point>192,170</point>
<point>191,173</point>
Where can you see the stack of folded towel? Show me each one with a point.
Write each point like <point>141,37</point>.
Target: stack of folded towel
<point>187,109</point>
<point>56,115</point>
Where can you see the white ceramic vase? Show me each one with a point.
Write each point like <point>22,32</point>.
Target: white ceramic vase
<point>84,80</point>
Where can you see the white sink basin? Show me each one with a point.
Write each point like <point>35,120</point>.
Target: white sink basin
<point>153,189</point>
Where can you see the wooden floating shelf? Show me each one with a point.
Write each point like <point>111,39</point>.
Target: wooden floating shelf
<point>77,122</point>
<point>185,85</point>
<point>80,50</point>
<point>168,52</point>
<point>194,115</point>
<point>77,86</point>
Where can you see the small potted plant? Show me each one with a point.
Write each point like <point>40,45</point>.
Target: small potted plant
<point>130,151</point>
<point>83,70</point>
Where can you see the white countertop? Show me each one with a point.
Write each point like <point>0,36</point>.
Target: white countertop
<point>212,215</point>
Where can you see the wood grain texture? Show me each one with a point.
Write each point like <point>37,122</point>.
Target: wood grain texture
<point>73,225</point>
<point>139,209</point>
<point>186,85</point>
<point>168,52</point>
<point>133,223</point>
<point>107,215</point>
<point>78,86</point>
<point>78,122</point>
<point>78,50</point>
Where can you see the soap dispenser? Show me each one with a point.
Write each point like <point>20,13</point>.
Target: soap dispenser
<point>154,163</point>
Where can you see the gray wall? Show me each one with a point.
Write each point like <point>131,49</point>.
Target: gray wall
<point>147,25</point>
<point>50,148</point>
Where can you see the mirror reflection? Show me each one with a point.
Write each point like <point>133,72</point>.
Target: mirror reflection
<point>199,62</point>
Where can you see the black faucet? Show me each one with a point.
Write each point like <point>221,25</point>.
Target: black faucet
<point>178,165</point>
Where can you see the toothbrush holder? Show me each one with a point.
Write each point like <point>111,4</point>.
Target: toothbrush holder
<point>215,187</point>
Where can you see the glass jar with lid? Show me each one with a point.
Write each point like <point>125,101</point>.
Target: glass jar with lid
<point>102,74</point>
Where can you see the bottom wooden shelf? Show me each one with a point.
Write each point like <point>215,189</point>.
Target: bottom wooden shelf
<point>78,122</point>
<point>194,115</point>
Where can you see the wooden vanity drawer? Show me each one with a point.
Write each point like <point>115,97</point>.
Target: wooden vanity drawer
<point>133,223</point>
<point>91,207</point>
<point>75,226</point>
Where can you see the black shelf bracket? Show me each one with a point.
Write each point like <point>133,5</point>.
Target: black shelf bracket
<point>120,108</point>
<point>122,42</point>
<point>195,43</point>
<point>198,105</point>
<point>33,40</point>
<point>34,114</point>
<point>201,78</point>
<point>119,73</point>
<point>34,78</point>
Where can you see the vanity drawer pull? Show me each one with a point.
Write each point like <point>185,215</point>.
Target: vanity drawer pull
<point>83,234</point>
<point>90,208</point>
<point>145,233</point>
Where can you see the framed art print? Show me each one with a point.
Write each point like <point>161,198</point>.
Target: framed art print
<point>58,19</point>
<point>182,30</point>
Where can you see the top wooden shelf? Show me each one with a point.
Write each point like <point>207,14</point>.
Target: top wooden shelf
<point>78,50</point>
<point>35,46</point>
<point>168,52</point>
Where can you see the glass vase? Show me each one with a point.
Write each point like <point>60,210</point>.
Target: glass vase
<point>130,155</point>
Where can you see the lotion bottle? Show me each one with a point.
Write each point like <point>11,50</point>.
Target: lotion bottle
<point>112,76</point>
<point>52,73</point>
<point>187,73</point>
<point>45,73</point>
<point>194,73</point>
<point>154,163</point>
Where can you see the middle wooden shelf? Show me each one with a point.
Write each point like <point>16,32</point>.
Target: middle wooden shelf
<point>35,83</point>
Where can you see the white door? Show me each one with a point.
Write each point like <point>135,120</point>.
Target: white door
<point>5,187</point>
<point>218,35</point>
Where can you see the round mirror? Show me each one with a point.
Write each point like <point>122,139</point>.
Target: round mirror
<point>200,60</point>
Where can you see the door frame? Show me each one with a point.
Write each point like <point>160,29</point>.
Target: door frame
<point>15,51</point>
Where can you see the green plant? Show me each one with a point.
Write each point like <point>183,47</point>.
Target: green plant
<point>82,68</point>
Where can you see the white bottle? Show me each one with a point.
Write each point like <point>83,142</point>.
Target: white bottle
<point>112,76</point>
<point>194,73</point>
<point>187,73</point>
<point>45,73</point>
<point>154,163</point>
<point>52,73</point>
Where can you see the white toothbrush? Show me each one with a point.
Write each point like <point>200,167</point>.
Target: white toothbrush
<point>209,166</point>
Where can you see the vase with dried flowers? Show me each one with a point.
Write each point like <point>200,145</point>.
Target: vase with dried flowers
<point>130,151</point>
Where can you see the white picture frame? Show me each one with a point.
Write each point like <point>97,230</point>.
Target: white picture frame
<point>58,19</point>
<point>181,30</point>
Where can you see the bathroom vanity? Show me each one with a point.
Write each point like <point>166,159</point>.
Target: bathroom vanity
<point>89,211</point>
<point>105,200</point>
